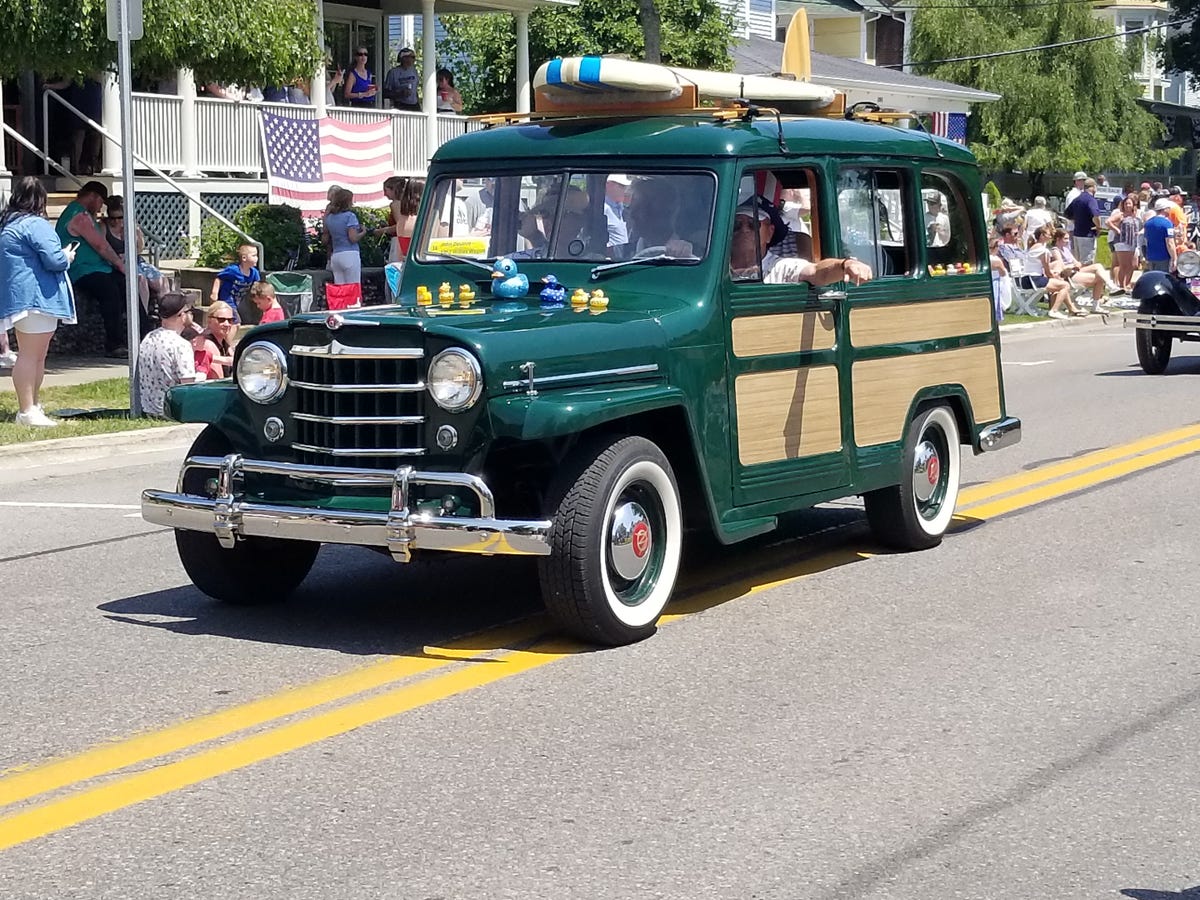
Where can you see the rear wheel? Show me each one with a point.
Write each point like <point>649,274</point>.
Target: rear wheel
<point>915,514</point>
<point>1153,350</point>
<point>616,542</point>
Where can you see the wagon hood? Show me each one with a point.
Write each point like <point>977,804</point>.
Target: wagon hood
<point>564,345</point>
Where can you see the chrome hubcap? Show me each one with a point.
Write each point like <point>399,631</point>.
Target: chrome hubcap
<point>927,469</point>
<point>630,541</point>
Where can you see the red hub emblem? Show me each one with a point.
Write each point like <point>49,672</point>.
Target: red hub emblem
<point>933,469</point>
<point>641,539</point>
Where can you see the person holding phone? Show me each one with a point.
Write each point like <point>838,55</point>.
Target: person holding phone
<point>359,87</point>
<point>35,294</point>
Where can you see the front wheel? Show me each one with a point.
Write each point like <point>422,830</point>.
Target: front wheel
<point>914,514</point>
<point>256,570</point>
<point>616,542</point>
<point>1153,350</point>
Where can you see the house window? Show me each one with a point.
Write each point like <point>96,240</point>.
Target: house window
<point>1135,46</point>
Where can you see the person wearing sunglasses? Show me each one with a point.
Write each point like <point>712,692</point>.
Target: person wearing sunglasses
<point>213,347</point>
<point>150,281</point>
<point>359,87</point>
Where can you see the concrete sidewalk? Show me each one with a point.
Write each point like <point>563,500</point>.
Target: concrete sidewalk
<point>68,370</point>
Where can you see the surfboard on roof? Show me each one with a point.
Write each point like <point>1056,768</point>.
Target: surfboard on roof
<point>601,80</point>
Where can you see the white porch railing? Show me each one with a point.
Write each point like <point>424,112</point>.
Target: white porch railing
<point>229,140</point>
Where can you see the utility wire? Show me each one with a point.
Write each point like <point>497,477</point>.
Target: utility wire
<point>998,53</point>
<point>1033,4</point>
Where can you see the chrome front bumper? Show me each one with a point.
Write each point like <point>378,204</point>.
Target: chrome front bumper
<point>1000,434</point>
<point>400,529</point>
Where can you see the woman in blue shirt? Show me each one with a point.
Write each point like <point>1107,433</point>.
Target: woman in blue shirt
<point>35,294</point>
<point>343,231</point>
<point>359,87</point>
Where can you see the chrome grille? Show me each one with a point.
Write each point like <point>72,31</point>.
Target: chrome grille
<point>357,406</point>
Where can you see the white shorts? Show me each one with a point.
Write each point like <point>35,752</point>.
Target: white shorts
<point>36,322</point>
<point>1122,247</point>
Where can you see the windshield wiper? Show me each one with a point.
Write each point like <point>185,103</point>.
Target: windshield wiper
<point>661,260</point>
<point>479,264</point>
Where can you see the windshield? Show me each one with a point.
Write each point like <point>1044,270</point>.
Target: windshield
<point>570,216</point>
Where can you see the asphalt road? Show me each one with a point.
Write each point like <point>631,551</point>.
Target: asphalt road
<point>1009,715</point>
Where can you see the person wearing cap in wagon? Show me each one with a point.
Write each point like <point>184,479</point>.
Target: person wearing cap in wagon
<point>165,357</point>
<point>758,228</point>
<point>616,190</point>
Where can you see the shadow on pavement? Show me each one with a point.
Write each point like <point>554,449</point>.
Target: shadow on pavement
<point>357,601</point>
<point>1192,893</point>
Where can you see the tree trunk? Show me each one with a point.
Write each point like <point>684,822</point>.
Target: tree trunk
<point>652,28</point>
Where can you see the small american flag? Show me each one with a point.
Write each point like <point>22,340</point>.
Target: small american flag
<point>949,125</point>
<point>307,156</point>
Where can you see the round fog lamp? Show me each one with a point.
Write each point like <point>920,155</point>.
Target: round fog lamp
<point>262,372</point>
<point>455,380</point>
<point>1188,264</point>
<point>273,429</point>
<point>447,437</point>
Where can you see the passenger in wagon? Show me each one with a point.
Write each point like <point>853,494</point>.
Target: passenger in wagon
<point>758,228</point>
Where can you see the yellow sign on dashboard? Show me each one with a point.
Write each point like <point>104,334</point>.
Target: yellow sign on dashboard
<point>459,246</point>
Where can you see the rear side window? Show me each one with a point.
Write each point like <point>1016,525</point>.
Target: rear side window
<point>876,222</point>
<point>949,225</point>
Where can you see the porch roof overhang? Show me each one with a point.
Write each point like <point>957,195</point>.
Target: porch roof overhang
<point>761,56</point>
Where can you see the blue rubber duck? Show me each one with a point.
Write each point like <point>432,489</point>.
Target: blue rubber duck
<point>553,295</point>
<point>507,281</point>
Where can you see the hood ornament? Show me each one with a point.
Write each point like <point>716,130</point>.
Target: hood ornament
<point>334,321</point>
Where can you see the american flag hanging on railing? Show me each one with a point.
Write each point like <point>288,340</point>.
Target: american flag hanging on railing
<point>949,125</point>
<point>307,156</point>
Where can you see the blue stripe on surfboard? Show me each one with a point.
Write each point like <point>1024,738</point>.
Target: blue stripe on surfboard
<point>554,72</point>
<point>589,70</point>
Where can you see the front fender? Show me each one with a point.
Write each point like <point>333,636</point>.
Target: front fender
<point>567,412</point>
<point>1165,294</point>
<point>205,403</point>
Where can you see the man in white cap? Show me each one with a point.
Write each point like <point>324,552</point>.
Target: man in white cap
<point>1080,178</point>
<point>616,189</point>
<point>1037,216</point>
<point>758,227</point>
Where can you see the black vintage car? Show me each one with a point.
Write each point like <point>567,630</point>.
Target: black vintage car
<point>1168,310</point>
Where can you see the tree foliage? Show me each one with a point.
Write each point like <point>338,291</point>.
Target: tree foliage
<point>1181,49</point>
<point>225,41</point>
<point>695,33</point>
<point>1068,108</point>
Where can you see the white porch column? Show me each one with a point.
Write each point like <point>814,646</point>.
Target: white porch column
<point>522,20</point>
<point>185,85</point>
<point>3,164</point>
<point>429,69</point>
<point>407,31</point>
<point>110,118</point>
<point>320,81</point>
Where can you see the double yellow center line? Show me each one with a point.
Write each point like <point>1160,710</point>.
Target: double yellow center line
<point>51,796</point>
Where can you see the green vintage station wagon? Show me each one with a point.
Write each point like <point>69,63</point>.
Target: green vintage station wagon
<point>642,388</point>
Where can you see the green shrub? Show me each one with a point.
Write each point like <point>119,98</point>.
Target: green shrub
<point>374,250</point>
<point>993,195</point>
<point>280,230</point>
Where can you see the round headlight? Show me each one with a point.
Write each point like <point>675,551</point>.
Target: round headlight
<point>1188,264</point>
<point>455,381</point>
<point>262,372</point>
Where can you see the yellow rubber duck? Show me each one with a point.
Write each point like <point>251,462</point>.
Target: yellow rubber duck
<point>445,294</point>
<point>579,299</point>
<point>424,298</point>
<point>598,301</point>
<point>466,296</point>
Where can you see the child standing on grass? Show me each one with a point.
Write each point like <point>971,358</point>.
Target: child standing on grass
<point>235,279</point>
<point>263,296</point>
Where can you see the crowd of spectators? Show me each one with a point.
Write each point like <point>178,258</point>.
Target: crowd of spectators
<point>1146,227</point>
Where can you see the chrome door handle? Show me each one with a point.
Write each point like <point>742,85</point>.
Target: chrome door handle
<point>832,295</point>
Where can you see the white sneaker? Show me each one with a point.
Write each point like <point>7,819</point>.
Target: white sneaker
<point>1055,314</point>
<point>8,360</point>
<point>35,418</point>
